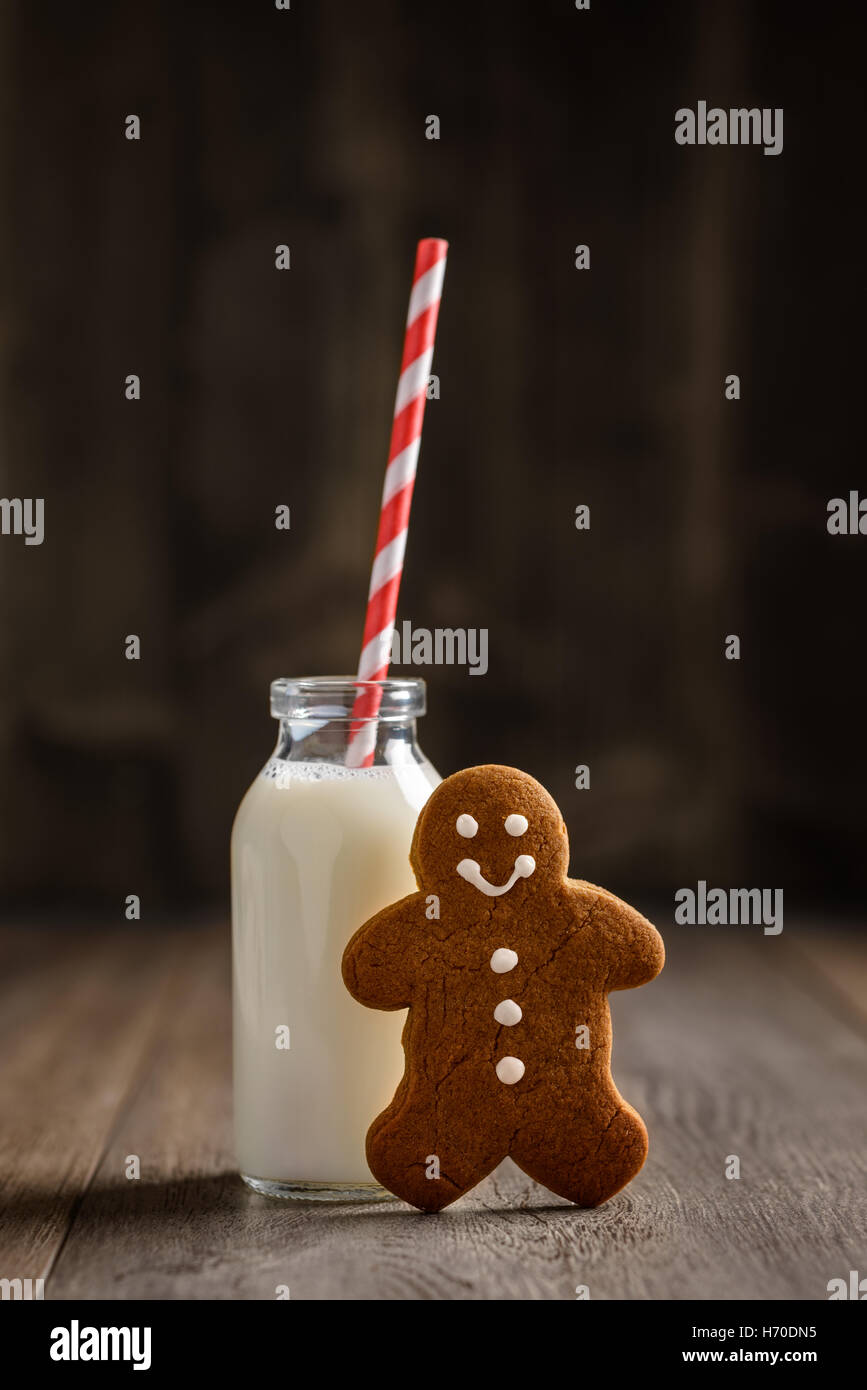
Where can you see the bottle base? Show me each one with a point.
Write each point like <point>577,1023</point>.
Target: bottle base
<point>319,1191</point>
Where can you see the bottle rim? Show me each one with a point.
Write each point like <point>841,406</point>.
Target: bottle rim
<point>328,698</point>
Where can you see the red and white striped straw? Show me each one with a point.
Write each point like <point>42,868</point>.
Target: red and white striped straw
<point>409,404</point>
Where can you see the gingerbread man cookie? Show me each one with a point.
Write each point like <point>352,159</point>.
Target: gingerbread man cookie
<point>504,964</point>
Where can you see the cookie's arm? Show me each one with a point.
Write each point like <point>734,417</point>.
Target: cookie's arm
<point>378,963</point>
<point>631,946</point>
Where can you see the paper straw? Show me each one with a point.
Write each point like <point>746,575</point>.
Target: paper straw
<point>409,404</point>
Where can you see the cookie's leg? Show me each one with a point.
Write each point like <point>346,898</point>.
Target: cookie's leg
<point>585,1157</point>
<point>429,1148</point>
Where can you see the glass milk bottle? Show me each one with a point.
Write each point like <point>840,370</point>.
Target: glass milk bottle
<point>317,848</point>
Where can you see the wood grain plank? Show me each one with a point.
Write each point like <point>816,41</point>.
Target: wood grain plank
<point>726,1054</point>
<point>840,959</point>
<point>77,1011</point>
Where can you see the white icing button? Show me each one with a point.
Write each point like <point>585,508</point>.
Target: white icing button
<point>516,825</point>
<point>503,960</point>
<point>466,826</point>
<point>508,1013</point>
<point>510,1070</point>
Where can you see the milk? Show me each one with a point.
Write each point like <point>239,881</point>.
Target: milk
<point>317,848</point>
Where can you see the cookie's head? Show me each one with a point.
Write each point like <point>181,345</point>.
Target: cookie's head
<point>489,832</point>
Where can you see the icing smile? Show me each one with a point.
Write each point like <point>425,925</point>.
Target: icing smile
<point>525,864</point>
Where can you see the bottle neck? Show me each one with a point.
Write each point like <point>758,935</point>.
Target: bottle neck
<point>327,741</point>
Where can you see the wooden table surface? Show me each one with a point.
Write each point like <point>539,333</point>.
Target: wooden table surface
<point>118,1042</point>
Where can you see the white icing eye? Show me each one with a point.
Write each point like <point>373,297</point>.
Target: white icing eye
<point>466,826</point>
<point>516,825</point>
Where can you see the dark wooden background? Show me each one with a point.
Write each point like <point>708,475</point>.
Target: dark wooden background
<point>558,387</point>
